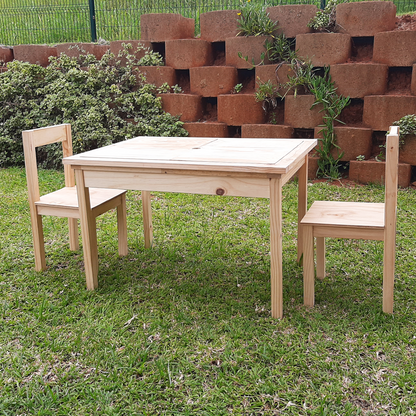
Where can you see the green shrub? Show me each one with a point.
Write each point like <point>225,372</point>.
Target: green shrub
<point>407,127</point>
<point>102,100</point>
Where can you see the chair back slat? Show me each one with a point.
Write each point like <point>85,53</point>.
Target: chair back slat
<point>48,135</point>
<point>391,181</point>
<point>67,151</point>
<point>41,137</point>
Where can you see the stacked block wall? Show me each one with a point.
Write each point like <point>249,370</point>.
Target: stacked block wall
<point>371,61</point>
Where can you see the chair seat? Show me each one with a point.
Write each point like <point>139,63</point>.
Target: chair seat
<point>348,214</point>
<point>67,197</point>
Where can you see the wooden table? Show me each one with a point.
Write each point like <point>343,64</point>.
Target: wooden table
<point>212,166</point>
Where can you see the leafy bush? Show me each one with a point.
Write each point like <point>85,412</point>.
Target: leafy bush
<point>407,127</point>
<point>102,100</point>
<point>254,20</point>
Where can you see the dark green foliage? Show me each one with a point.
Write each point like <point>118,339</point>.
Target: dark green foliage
<point>407,126</point>
<point>102,100</point>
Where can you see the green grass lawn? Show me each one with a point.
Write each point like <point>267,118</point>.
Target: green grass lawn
<point>184,328</point>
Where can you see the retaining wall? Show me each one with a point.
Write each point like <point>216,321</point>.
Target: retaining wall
<point>371,60</point>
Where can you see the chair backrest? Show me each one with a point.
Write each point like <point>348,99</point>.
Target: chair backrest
<point>391,180</point>
<point>41,137</point>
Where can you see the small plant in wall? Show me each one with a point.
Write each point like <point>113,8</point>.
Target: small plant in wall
<point>268,94</point>
<point>381,157</point>
<point>325,20</point>
<point>325,94</point>
<point>237,89</point>
<point>253,20</point>
<point>305,78</point>
<point>280,49</point>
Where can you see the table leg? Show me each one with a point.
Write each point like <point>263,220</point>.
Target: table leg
<point>302,202</point>
<point>147,219</point>
<point>276,270</point>
<point>88,232</point>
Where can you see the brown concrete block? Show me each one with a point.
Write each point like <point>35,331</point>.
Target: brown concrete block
<point>371,171</point>
<point>6,54</point>
<point>187,106</point>
<point>34,54</point>
<point>206,129</point>
<point>380,111</point>
<point>239,109</point>
<point>359,80</point>
<point>312,167</point>
<point>188,53</point>
<point>75,49</point>
<point>211,81</point>
<point>396,48</point>
<point>218,25</point>
<point>324,48</point>
<point>299,114</point>
<point>407,152</point>
<point>158,75</point>
<point>100,50</point>
<point>160,27</point>
<point>366,18</point>
<point>266,131</point>
<point>292,19</point>
<point>352,142</point>
<point>133,47</point>
<point>413,85</point>
<point>250,46</point>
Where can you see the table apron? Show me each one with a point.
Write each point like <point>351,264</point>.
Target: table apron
<point>157,182</point>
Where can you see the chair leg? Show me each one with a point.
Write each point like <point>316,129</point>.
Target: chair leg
<point>320,257</point>
<point>38,242</point>
<point>122,227</point>
<point>73,234</point>
<point>388,275</point>
<point>308,267</point>
<point>94,249</point>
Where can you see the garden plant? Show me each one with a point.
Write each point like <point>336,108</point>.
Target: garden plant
<point>407,126</point>
<point>253,20</point>
<point>305,78</point>
<point>103,100</point>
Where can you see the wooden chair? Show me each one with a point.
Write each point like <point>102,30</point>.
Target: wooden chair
<point>64,202</point>
<point>357,220</point>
